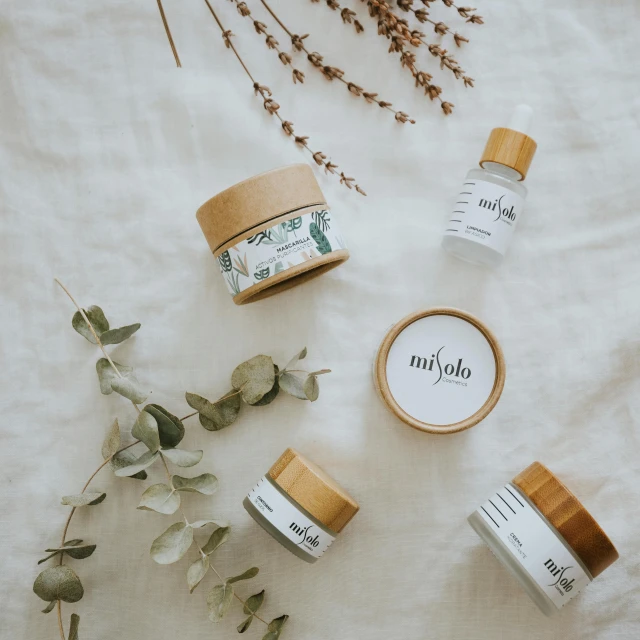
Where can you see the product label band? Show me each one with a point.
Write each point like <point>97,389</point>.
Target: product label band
<point>534,545</point>
<point>279,248</point>
<point>291,522</point>
<point>486,213</point>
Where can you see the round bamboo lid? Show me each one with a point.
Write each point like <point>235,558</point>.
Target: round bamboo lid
<point>314,490</point>
<point>440,370</point>
<point>257,200</point>
<point>565,512</point>
<point>510,148</point>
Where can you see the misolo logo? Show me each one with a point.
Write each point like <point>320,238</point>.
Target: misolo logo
<point>562,584</point>
<point>305,537</point>
<point>496,205</point>
<point>449,369</point>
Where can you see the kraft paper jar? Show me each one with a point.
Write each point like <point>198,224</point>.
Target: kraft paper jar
<point>300,506</point>
<point>440,370</point>
<point>272,232</point>
<point>544,536</point>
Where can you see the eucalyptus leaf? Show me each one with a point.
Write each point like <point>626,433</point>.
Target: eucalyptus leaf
<point>243,626</point>
<point>294,361</point>
<point>311,388</point>
<point>83,499</point>
<point>73,626</point>
<point>198,524</point>
<point>97,319</point>
<point>145,429</point>
<point>170,427</point>
<point>170,546</point>
<point>206,484</point>
<point>183,458</point>
<point>216,415</point>
<point>197,571</point>
<point>139,464</point>
<point>275,628</point>
<point>116,336</point>
<point>217,539</point>
<point>247,575</point>
<point>111,443</point>
<point>293,384</point>
<point>219,601</point>
<point>126,384</point>
<point>49,607</point>
<point>72,543</point>
<point>58,583</point>
<point>160,498</point>
<point>255,378</point>
<point>124,459</point>
<point>76,552</point>
<point>253,603</point>
<point>268,398</point>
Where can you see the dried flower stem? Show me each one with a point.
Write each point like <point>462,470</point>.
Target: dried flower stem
<point>272,107</point>
<point>168,32</point>
<point>333,72</point>
<point>422,15</point>
<point>270,41</point>
<point>349,16</point>
<point>465,12</point>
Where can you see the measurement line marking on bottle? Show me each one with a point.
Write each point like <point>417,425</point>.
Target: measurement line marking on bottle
<point>516,499</point>
<point>462,202</point>
<point>453,230</point>
<point>508,505</point>
<point>498,510</point>
<point>466,193</point>
<point>472,183</point>
<point>492,520</point>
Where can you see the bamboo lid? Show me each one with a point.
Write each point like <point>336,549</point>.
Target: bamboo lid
<point>440,370</point>
<point>565,512</point>
<point>257,200</point>
<point>511,148</point>
<point>314,490</point>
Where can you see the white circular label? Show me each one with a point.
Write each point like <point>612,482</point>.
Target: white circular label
<point>441,369</point>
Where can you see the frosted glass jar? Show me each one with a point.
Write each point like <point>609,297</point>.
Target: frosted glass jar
<point>544,537</point>
<point>300,506</point>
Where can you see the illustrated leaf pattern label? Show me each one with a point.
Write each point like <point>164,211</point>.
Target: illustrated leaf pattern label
<point>278,249</point>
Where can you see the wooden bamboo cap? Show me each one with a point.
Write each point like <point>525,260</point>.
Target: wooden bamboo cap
<point>510,148</point>
<point>314,490</point>
<point>565,512</point>
<point>257,200</point>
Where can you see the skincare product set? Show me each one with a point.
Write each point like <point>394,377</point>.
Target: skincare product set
<point>440,370</point>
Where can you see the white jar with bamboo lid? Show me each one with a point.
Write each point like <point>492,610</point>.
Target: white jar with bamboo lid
<point>300,506</point>
<point>440,370</point>
<point>544,537</point>
<point>272,232</point>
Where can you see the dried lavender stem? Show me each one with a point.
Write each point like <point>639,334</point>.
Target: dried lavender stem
<point>349,16</point>
<point>333,72</point>
<point>272,108</point>
<point>168,32</point>
<point>422,16</point>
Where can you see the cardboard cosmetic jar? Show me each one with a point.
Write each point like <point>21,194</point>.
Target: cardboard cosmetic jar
<point>440,370</point>
<point>300,506</point>
<point>541,533</point>
<point>272,232</point>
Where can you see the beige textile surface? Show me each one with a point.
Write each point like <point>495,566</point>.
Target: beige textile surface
<point>107,151</point>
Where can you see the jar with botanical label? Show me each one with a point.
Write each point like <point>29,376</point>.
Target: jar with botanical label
<point>544,537</point>
<point>298,504</point>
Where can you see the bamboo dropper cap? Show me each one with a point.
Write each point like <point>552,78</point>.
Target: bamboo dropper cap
<point>565,512</point>
<point>313,490</point>
<point>511,146</point>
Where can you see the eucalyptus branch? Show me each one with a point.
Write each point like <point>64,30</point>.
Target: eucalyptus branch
<point>160,432</point>
<point>331,73</point>
<point>272,107</point>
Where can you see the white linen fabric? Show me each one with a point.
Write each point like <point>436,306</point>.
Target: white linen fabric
<point>107,151</point>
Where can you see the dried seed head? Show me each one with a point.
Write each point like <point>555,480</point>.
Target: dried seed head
<point>423,78</point>
<point>287,127</point>
<point>271,105</point>
<point>397,44</point>
<point>298,76</point>
<point>476,20</point>
<point>468,82</point>
<point>432,91</point>
<point>447,107</point>
<point>358,26</point>
<point>332,72</point>
<point>243,10</point>
<point>383,104</point>
<point>422,15</point>
<point>332,4</point>
<point>370,97</point>
<point>408,59</point>
<point>401,116</point>
<point>405,5</point>
<point>459,39</point>
<point>301,140</point>
<point>260,27</point>
<point>315,59</point>
<point>448,3</point>
<point>355,89</point>
<point>329,167</point>
<point>347,15</point>
<point>297,41</point>
<point>465,12</point>
<point>226,36</point>
<point>319,158</point>
<point>440,28</point>
<point>285,58</point>
<point>272,43</point>
<point>360,191</point>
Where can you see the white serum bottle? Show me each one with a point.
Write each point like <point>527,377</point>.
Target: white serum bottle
<point>491,200</point>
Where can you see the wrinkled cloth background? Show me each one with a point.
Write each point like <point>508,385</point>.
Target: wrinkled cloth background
<point>107,151</point>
